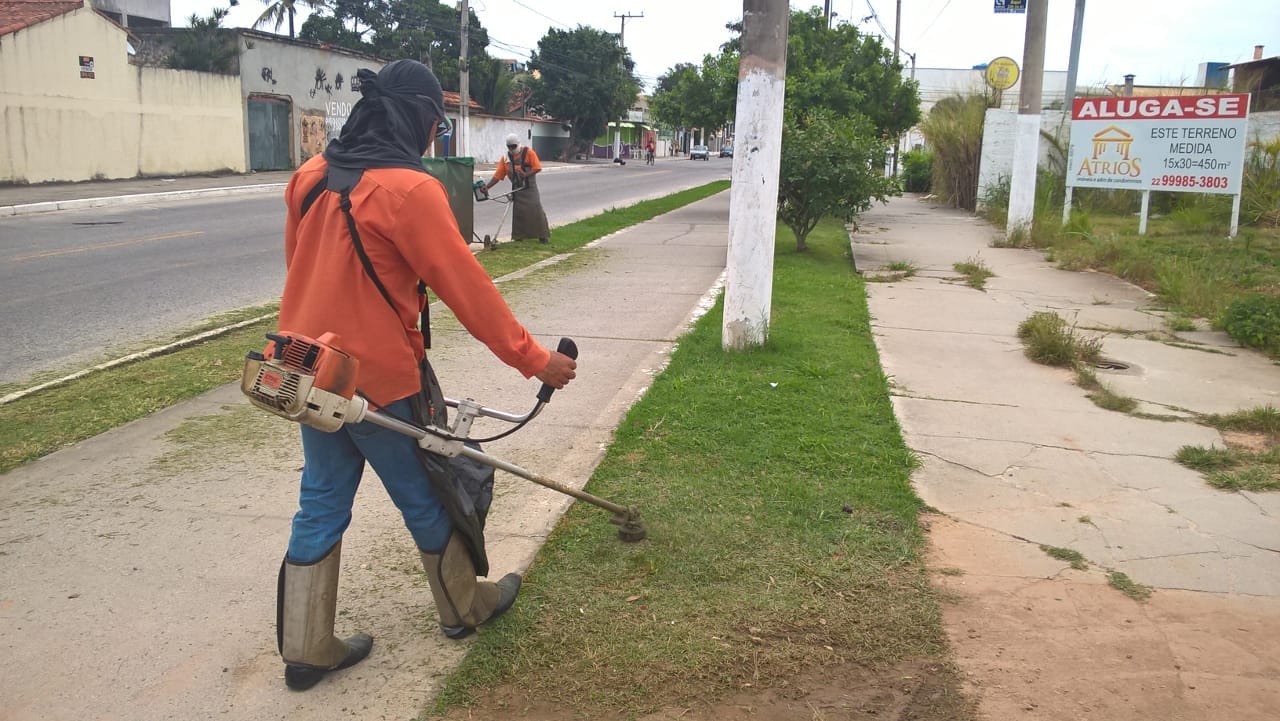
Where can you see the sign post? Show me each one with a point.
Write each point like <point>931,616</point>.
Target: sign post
<point>1191,144</point>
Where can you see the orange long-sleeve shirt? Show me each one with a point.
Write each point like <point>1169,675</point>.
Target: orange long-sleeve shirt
<point>408,232</point>
<point>528,161</point>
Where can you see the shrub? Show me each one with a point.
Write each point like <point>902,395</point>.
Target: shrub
<point>1260,191</point>
<point>917,171</point>
<point>953,129</point>
<point>1254,321</point>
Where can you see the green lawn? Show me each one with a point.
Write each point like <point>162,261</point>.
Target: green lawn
<point>783,531</point>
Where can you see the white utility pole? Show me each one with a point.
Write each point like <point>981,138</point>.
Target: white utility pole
<point>1026,142</point>
<point>622,40</point>
<point>757,159</point>
<point>1073,67</point>
<point>462,135</point>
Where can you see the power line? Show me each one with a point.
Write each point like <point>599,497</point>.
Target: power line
<point>935,19</point>
<point>535,12</point>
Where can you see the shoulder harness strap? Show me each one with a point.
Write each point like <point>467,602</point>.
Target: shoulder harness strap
<point>342,181</point>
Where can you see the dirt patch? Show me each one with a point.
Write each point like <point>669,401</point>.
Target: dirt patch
<point>1037,641</point>
<point>910,691</point>
<point>1248,441</point>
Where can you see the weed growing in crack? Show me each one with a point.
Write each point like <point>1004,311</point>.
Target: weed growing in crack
<point>1072,556</point>
<point>1128,586</point>
<point>975,272</point>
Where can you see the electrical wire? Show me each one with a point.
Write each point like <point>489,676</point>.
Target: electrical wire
<point>935,19</point>
<point>535,12</point>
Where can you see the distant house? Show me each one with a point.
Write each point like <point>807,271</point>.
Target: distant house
<point>77,108</point>
<point>1260,78</point>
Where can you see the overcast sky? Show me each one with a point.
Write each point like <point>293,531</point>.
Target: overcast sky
<point>1159,41</point>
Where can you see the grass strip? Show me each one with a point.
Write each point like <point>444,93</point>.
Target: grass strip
<point>39,424</point>
<point>783,531</point>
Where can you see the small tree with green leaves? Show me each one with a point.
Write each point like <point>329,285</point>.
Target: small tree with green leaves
<point>831,165</point>
<point>206,46</point>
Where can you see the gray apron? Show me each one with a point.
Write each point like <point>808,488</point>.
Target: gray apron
<point>528,221</point>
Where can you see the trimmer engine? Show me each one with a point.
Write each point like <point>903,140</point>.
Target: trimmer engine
<point>305,380</point>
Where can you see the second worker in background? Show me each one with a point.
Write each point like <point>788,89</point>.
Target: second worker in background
<point>522,166</point>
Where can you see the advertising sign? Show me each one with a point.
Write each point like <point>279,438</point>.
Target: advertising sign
<point>86,66</point>
<point>1002,73</point>
<point>1189,144</point>
<point>1011,6</point>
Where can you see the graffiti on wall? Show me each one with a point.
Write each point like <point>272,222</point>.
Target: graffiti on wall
<point>314,135</point>
<point>324,121</point>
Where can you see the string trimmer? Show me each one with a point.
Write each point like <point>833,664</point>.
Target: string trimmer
<point>312,381</point>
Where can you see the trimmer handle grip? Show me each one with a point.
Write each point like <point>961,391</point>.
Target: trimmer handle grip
<point>569,348</point>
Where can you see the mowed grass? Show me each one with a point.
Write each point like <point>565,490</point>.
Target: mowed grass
<point>783,531</point>
<point>41,423</point>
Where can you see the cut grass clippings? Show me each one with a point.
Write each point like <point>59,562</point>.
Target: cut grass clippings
<point>39,424</point>
<point>783,531</point>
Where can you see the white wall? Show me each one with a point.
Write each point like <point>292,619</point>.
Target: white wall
<point>124,121</point>
<point>315,80</point>
<point>998,135</point>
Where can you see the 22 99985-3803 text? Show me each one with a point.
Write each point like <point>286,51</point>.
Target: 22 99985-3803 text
<point>1190,181</point>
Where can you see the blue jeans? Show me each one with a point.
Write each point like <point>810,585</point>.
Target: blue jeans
<point>333,464</point>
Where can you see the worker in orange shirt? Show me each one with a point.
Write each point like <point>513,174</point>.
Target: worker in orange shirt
<point>521,164</point>
<point>365,224</point>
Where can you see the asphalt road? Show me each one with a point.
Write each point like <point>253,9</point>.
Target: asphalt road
<point>78,287</point>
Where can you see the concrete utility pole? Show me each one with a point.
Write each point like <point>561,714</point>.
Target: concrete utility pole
<point>622,40</point>
<point>1026,142</point>
<point>1073,65</point>
<point>462,135</point>
<point>897,32</point>
<point>757,159</point>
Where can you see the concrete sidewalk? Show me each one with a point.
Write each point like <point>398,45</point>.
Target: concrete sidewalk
<point>1014,456</point>
<point>138,569</point>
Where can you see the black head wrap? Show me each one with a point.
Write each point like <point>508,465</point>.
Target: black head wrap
<point>390,125</point>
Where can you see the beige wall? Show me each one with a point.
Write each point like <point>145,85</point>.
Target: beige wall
<point>124,122</point>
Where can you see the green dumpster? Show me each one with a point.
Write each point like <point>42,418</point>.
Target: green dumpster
<point>455,174</point>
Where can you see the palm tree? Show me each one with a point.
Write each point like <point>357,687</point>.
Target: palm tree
<point>278,10</point>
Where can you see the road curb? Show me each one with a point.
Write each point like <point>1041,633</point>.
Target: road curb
<point>52,206</point>
<point>85,203</point>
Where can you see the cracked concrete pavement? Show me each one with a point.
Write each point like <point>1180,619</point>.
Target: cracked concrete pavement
<point>1015,456</point>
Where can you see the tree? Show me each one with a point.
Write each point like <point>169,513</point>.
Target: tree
<point>587,79</point>
<point>279,10</point>
<point>845,101</point>
<point>669,102</point>
<point>206,46</point>
<point>831,165</point>
<point>692,96</point>
<point>423,30</point>
<point>848,73</point>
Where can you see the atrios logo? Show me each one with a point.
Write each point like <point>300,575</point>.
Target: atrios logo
<point>1111,149</point>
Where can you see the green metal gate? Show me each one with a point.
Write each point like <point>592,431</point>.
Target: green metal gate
<point>269,147</point>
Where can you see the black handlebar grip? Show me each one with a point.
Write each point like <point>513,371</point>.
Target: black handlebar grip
<point>569,348</point>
